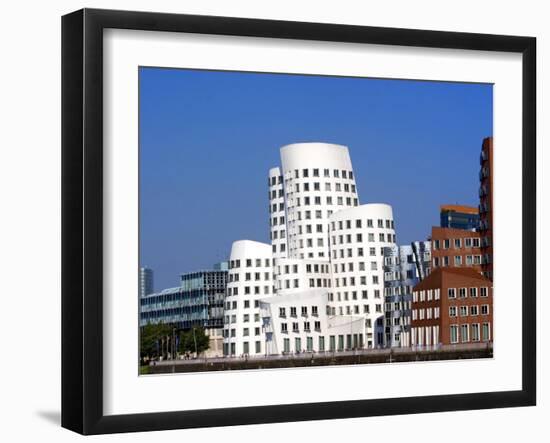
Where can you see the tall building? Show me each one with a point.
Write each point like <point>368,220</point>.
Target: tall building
<point>249,280</point>
<point>459,217</point>
<point>315,181</point>
<point>404,267</point>
<point>145,281</point>
<point>319,286</point>
<point>358,237</point>
<point>197,302</point>
<point>452,306</point>
<point>486,206</point>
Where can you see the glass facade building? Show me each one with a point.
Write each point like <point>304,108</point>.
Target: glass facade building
<point>145,281</point>
<point>197,302</point>
<point>459,217</point>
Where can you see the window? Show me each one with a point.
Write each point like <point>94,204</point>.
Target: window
<point>485,332</point>
<point>282,312</point>
<point>475,332</point>
<point>483,292</point>
<point>484,309</point>
<point>286,345</point>
<point>454,333</point>
<point>452,311</point>
<point>436,244</point>
<point>463,311</point>
<point>464,333</point>
<point>474,310</point>
<point>458,243</point>
<point>462,292</point>
<point>452,292</point>
<point>446,243</point>
<point>284,327</point>
<point>458,260</point>
<point>321,344</point>
<point>314,311</point>
<point>293,311</point>
<point>258,347</point>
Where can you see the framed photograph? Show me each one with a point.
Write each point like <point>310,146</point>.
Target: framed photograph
<point>268,221</point>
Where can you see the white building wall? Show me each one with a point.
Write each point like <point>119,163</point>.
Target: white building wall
<point>277,214</point>
<point>326,251</point>
<point>318,181</point>
<point>298,323</point>
<point>357,240</point>
<point>293,275</point>
<point>249,280</point>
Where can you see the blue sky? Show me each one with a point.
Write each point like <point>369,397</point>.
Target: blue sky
<point>208,139</point>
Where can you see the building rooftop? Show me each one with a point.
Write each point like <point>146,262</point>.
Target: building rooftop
<point>438,230</point>
<point>436,276</point>
<point>459,208</point>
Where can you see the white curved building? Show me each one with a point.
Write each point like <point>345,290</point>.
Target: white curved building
<point>249,279</point>
<point>298,323</point>
<point>358,237</point>
<point>319,285</point>
<point>291,275</point>
<point>277,214</point>
<point>318,181</point>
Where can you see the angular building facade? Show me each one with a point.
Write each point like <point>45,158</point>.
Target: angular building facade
<point>404,267</point>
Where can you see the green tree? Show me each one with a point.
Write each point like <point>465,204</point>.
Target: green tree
<point>150,335</point>
<point>194,340</point>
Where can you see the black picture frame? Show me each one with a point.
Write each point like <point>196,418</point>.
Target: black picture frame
<point>82,218</point>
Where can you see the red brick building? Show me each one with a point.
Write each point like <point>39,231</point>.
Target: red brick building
<point>456,248</point>
<point>486,206</point>
<point>452,306</point>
